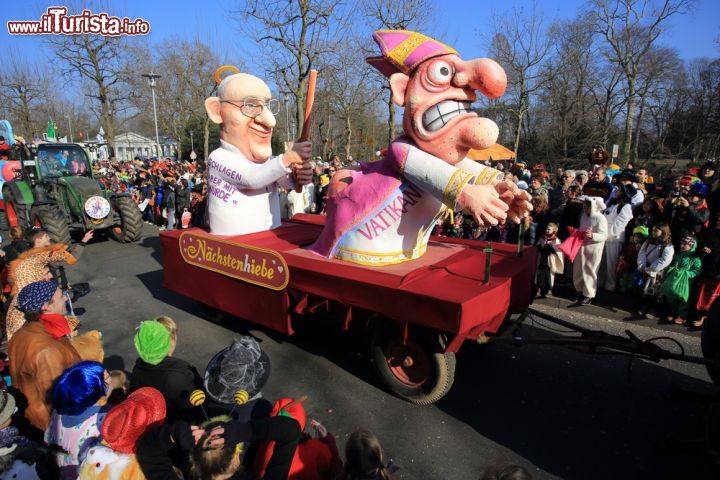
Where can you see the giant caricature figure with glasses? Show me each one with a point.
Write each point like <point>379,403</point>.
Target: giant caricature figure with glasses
<point>243,175</point>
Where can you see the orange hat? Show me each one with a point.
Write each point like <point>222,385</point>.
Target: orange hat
<point>403,50</point>
<point>125,423</point>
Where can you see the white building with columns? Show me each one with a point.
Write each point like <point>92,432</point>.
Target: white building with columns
<point>129,145</point>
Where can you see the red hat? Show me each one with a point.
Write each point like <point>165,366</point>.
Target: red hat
<point>403,50</point>
<point>126,422</point>
<point>293,408</point>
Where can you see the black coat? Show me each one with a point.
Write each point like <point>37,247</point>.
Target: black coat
<point>15,248</point>
<point>182,199</point>
<point>711,261</point>
<point>175,379</point>
<point>169,198</point>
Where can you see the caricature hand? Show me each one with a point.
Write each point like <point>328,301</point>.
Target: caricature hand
<point>292,159</point>
<point>484,204</point>
<point>304,149</point>
<point>517,200</point>
<point>303,174</point>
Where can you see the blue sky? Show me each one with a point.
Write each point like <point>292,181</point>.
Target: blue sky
<point>464,22</point>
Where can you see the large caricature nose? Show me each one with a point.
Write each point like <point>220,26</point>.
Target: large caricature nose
<point>266,118</point>
<point>483,75</point>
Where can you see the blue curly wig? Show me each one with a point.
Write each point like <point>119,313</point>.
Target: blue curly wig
<point>78,388</point>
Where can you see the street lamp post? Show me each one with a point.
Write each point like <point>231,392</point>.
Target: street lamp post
<point>152,81</point>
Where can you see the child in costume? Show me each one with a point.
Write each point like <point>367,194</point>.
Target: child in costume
<point>586,264</point>
<point>364,459</point>
<point>156,367</point>
<point>122,429</point>
<point>314,459</point>
<point>626,268</point>
<point>79,400</point>
<point>654,258</point>
<point>677,285</point>
<point>550,260</point>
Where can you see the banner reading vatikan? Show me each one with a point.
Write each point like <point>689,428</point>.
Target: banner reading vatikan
<point>259,266</point>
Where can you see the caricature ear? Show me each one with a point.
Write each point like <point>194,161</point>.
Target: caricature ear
<point>212,107</point>
<point>398,86</point>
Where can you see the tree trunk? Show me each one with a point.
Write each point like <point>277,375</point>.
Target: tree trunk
<point>563,133</point>
<point>636,142</point>
<point>206,139</point>
<point>348,135</point>
<point>627,146</point>
<point>518,127</point>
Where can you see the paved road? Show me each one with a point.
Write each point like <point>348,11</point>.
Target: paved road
<point>558,412</point>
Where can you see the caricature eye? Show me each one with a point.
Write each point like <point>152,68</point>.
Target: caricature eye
<point>440,72</point>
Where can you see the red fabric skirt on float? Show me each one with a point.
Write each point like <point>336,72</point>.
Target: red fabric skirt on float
<point>443,290</point>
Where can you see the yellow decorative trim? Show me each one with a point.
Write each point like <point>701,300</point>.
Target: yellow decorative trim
<point>487,175</point>
<point>378,259</point>
<point>452,190</point>
<point>400,53</point>
<point>390,254</point>
<point>450,186</point>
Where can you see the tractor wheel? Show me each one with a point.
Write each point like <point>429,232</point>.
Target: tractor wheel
<point>415,370</point>
<point>131,223</point>
<point>52,219</point>
<point>15,215</point>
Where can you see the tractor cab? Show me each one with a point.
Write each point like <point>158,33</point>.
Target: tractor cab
<point>55,161</point>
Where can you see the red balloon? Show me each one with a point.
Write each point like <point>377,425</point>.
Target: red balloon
<point>9,169</point>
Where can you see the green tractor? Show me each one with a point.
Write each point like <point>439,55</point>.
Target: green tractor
<point>57,192</point>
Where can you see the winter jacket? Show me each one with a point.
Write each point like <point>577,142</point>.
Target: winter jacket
<point>686,220</point>
<point>654,257</point>
<point>711,261</point>
<point>36,361</point>
<point>175,379</point>
<point>182,199</point>
<point>170,196</point>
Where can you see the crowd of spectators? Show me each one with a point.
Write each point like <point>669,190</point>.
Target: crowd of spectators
<point>620,230</point>
<point>171,194</point>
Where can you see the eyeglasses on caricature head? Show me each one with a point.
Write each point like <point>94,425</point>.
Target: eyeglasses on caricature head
<point>252,106</point>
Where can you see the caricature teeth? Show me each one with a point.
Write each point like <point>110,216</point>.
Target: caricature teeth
<point>438,115</point>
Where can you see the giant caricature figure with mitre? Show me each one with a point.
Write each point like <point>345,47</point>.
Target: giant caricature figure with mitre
<point>383,213</point>
<point>243,176</point>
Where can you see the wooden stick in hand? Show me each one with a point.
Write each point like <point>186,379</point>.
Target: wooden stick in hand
<point>309,101</point>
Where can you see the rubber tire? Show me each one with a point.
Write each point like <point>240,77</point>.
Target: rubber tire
<point>131,222</point>
<point>19,211</point>
<point>442,365</point>
<point>52,219</point>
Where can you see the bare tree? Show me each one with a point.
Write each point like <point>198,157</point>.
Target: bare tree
<point>348,89</point>
<point>569,73</point>
<point>293,35</point>
<point>520,45</point>
<point>658,64</point>
<point>395,15</point>
<point>630,28</point>
<point>23,89</point>
<point>99,63</point>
